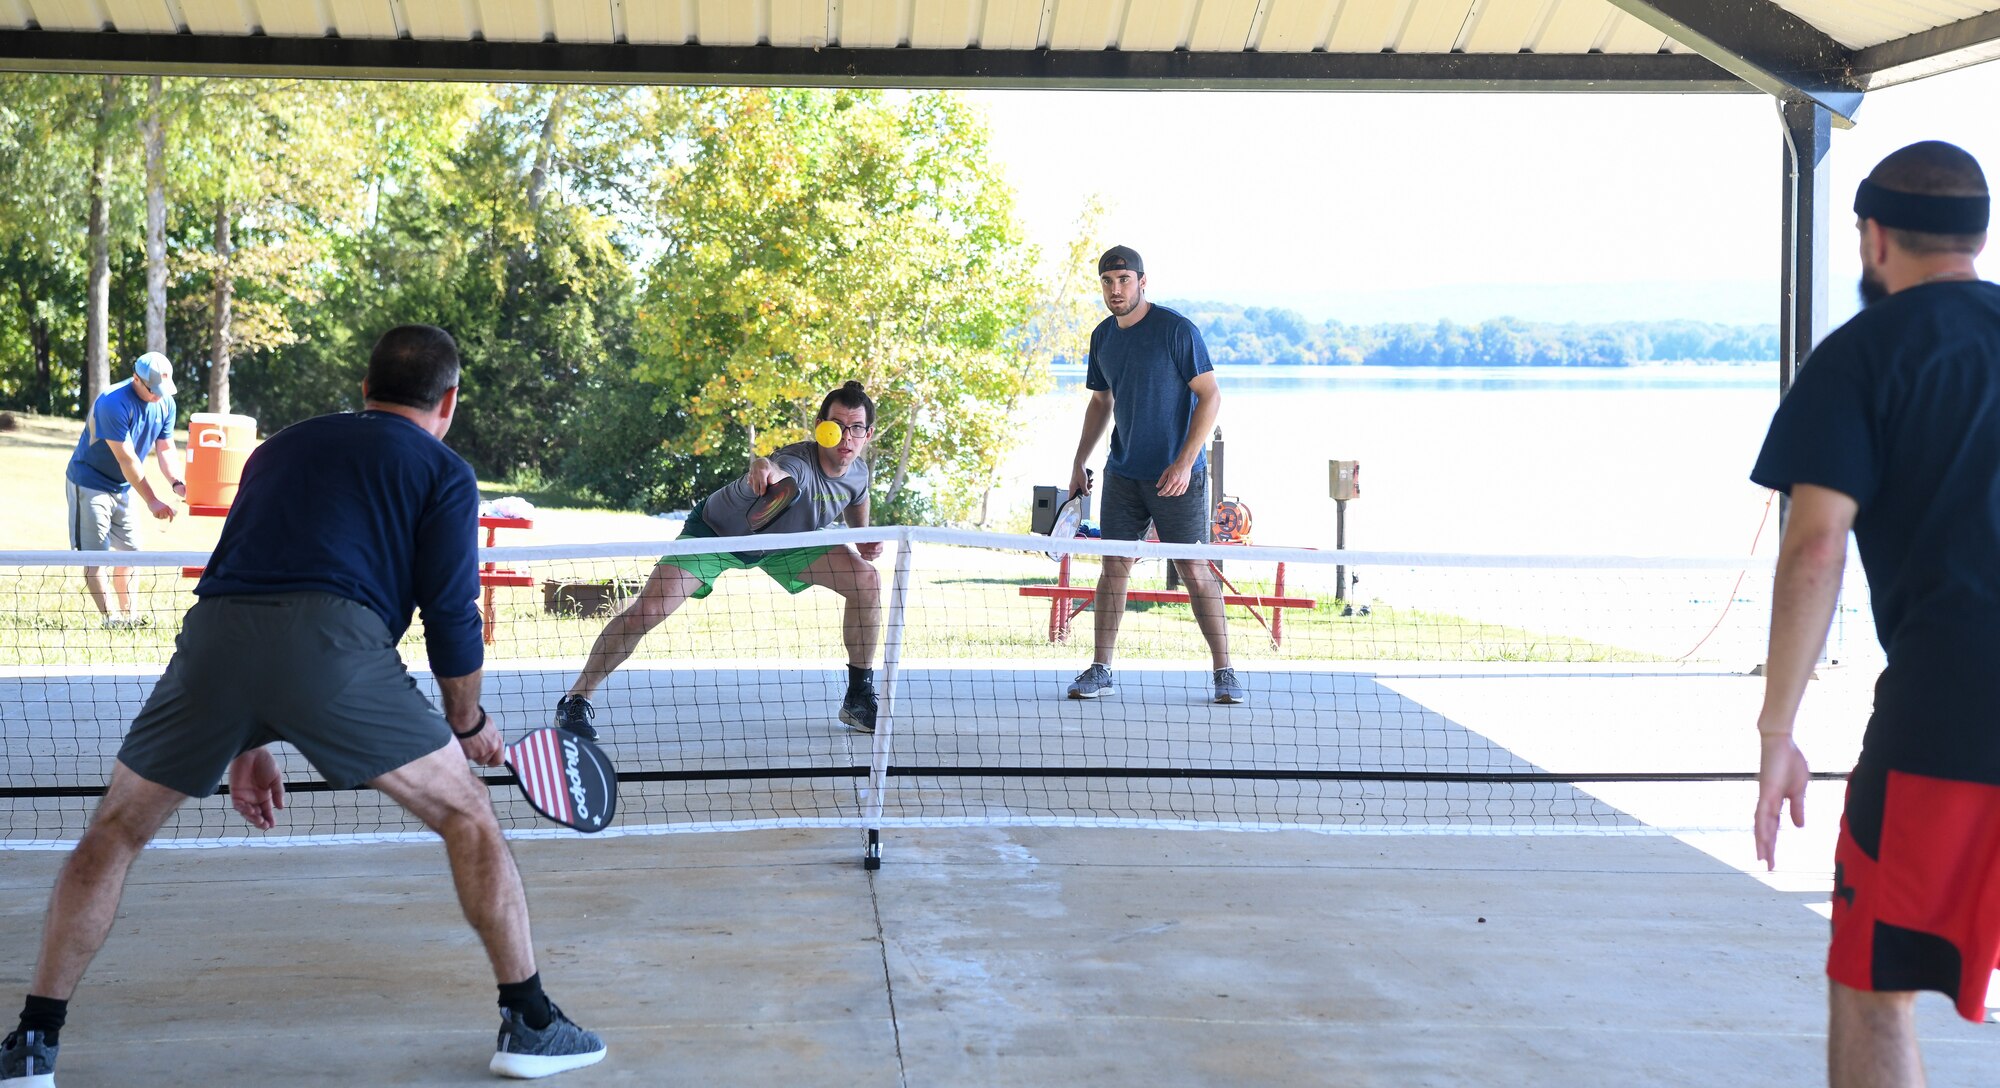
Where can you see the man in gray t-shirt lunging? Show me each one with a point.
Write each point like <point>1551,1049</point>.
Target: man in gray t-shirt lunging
<point>833,484</point>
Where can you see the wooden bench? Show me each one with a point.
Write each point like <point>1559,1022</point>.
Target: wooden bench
<point>1066,601</point>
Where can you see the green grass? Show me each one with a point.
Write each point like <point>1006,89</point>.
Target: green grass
<point>965,604</point>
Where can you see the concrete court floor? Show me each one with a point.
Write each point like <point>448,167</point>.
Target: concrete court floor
<point>978,956</point>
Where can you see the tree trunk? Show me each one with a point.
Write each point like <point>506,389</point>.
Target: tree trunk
<point>97,294</point>
<point>538,178</point>
<point>153,132</point>
<point>41,394</point>
<point>538,181</point>
<point>225,292</point>
<point>902,462</point>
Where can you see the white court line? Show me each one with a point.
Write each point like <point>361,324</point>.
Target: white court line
<point>1489,831</point>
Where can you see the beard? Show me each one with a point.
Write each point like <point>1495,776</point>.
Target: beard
<point>1871,288</point>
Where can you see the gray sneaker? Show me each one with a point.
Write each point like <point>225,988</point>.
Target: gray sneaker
<point>573,712</point>
<point>1092,682</point>
<point>1228,689</point>
<point>857,710</point>
<point>524,1053</point>
<point>26,1061</point>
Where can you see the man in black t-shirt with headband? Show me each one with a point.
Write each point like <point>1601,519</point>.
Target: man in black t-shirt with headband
<point>832,478</point>
<point>1893,431</point>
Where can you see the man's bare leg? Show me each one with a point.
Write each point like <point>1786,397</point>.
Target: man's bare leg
<point>121,585</point>
<point>440,790</point>
<point>1871,1039</point>
<point>93,579</point>
<point>85,900</point>
<point>666,589</point>
<point>843,570</point>
<point>1205,597</point>
<point>1110,605</point>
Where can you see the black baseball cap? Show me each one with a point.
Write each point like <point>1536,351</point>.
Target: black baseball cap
<point>1121,258</point>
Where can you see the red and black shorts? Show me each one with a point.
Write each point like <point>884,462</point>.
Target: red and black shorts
<point>1916,887</point>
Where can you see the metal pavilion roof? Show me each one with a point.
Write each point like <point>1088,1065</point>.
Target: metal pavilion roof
<point>1824,51</point>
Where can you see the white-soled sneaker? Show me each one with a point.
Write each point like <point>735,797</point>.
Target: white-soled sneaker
<point>28,1061</point>
<point>573,712</point>
<point>1092,682</point>
<point>525,1054</point>
<point>1229,689</point>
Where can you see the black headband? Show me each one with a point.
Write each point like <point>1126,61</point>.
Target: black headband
<point>1919,212</point>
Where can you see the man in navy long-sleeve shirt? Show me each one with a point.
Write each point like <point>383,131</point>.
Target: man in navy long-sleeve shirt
<point>341,527</point>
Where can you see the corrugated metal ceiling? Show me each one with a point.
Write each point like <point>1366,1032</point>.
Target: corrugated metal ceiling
<point>1827,53</point>
<point>1339,26</point>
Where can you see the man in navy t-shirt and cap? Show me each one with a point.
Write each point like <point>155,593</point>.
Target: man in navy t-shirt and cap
<point>1893,431</point>
<point>1150,378</point>
<point>127,422</point>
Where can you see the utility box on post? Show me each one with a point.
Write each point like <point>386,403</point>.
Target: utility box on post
<point>1343,485</point>
<point>1343,480</point>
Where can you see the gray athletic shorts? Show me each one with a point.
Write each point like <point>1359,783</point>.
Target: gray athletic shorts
<point>100,520</point>
<point>315,670</point>
<point>1126,505</point>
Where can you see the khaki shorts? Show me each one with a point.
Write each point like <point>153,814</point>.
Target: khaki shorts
<point>315,670</point>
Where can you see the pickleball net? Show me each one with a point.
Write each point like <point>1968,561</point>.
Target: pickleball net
<point>1386,691</point>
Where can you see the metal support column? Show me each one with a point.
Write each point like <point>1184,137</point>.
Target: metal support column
<point>1808,129</point>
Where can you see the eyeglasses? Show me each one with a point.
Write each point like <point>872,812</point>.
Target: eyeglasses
<point>852,430</point>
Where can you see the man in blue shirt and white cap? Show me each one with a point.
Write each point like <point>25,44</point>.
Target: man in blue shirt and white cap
<point>129,420</point>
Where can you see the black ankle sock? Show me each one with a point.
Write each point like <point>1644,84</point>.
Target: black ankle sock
<point>860,679</point>
<point>46,1015</point>
<point>527,999</point>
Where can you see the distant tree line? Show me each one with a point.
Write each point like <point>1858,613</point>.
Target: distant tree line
<point>1268,336</point>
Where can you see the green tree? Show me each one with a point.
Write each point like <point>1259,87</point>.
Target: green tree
<point>44,164</point>
<point>482,218</point>
<point>811,237</point>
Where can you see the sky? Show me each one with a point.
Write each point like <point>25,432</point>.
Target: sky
<point>1388,206</point>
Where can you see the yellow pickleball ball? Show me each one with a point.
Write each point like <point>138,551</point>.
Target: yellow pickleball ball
<point>827,433</point>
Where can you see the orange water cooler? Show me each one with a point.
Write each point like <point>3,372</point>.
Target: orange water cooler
<point>218,444</point>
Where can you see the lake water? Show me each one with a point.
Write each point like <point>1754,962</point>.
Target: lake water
<point>1632,461</point>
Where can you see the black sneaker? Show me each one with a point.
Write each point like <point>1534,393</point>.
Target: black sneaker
<point>857,711</point>
<point>26,1061</point>
<point>524,1053</point>
<point>573,712</point>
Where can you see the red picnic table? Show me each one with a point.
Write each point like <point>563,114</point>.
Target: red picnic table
<point>1066,601</point>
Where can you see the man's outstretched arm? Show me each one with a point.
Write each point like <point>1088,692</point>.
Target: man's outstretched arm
<point>857,518</point>
<point>763,473</point>
<point>1810,562</point>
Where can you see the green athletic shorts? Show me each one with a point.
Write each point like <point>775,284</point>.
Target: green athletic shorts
<point>784,566</point>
